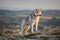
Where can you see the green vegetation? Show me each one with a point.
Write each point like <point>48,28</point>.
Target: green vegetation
<point>1,31</point>
<point>58,33</point>
<point>45,38</point>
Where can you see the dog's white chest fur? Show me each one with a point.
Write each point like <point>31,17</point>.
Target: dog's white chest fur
<point>36,20</point>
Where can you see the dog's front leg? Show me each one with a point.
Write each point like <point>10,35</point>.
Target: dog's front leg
<point>37,27</point>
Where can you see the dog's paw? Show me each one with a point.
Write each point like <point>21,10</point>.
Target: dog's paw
<point>37,31</point>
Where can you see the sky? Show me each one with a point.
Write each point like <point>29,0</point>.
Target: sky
<point>29,4</point>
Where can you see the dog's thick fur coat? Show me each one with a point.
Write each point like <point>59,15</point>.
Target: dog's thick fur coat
<point>32,21</point>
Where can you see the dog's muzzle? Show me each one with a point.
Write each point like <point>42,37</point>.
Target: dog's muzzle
<point>37,14</point>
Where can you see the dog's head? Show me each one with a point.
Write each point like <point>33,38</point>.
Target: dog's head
<point>38,12</point>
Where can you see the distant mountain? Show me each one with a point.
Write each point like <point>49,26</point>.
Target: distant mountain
<point>15,11</point>
<point>44,12</point>
<point>51,12</point>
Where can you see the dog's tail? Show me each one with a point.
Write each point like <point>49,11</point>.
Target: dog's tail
<point>22,25</point>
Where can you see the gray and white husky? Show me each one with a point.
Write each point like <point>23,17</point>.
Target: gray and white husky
<point>32,21</point>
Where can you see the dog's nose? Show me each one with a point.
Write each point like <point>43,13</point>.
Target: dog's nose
<point>39,15</point>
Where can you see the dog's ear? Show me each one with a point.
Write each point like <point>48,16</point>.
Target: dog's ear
<point>38,10</point>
